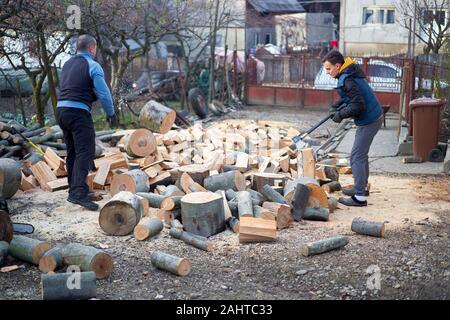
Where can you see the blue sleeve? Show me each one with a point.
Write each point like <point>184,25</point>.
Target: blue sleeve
<point>101,88</point>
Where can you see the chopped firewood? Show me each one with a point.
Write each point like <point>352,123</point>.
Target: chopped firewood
<point>257,230</point>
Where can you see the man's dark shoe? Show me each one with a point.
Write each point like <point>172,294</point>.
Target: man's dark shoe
<point>351,192</point>
<point>352,202</point>
<point>85,203</point>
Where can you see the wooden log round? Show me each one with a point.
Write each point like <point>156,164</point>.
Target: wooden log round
<point>245,205</point>
<point>52,259</point>
<point>228,180</point>
<point>157,117</point>
<point>173,190</point>
<point>10,178</point>
<point>369,228</point>
<point>198,172</point>
<point>88,259</point>
<point>202,213</point>
<point>133,181</point>
<point>191,239</point>
<point>282,213</point>
<point>233,223</point>
<point>28,249</point>
<point>68,286</point>
<point>332,204</point>
<point>263,213</point>
<point>188,185</point>
<point>176,224</point>
<point>324,245</point>
<point>148,227</point>
<point>4,247</point>
<point>317,197</point>
<point>158,201</point>
<point>6,227</point>
<point>259,180</point>
<point>289,188</point>
<point>273,195</point>
<point>140,143</point>
<point>176,265</point>
<point>317,214</point>
<point>257,196</point>
<point>332,186</point>
<point>121,214</point>
<point>299,201</point>
<point>230,194</point>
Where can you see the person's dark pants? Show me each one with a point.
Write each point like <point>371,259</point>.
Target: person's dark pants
<point>79,136</point>
<point>359,157</point>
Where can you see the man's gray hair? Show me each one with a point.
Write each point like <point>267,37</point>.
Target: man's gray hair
<point>85,41</point>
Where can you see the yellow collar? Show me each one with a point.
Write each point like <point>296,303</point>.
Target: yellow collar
<point>347,62</point>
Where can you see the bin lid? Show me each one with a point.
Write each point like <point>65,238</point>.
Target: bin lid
<point>427,102</point>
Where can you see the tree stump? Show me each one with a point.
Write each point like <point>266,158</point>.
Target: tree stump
<point>27,249</point>
<point>369,228</point>
<point>317,214</point>
<point>290,186</point>
<point>4,246</point>
<point>148,227</point>
<point>52,259</point>
<point>88,259</point>
<point>121,214</point>
<point>191,239</point>
<point>140,143</point>
<point>10,178</point>
<point>259,180</point>
<point>133,181</point>
<point>228,180</point>
<point>324,245</point>
<point>173,264</point>
<point>202,213</point>
<point>68,286</point>
<point>6,227</point>
<point>157,117</point>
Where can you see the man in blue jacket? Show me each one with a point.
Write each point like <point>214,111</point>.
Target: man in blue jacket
<point>82,81</point>
<point>361,104</point>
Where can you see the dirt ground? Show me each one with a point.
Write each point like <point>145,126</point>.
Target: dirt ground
<point>411,262</point>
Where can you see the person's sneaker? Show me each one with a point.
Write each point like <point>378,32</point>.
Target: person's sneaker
<point>351,192</point>
<point>352,202</point>
<point>85,203</point>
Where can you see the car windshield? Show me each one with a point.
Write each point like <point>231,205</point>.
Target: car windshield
<point>375,70</point>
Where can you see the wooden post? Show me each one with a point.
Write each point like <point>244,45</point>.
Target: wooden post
<point>324,245</point>
<point>148,227</point>
<point>173,264</point>
<point>369,228</point>
<point>68,286</point>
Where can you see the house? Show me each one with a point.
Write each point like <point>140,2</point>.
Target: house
<point>373,27</point>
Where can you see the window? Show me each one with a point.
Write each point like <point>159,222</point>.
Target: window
<point>380,16</point>
<point>256,39</point>
<point>390,18</point>
<point>268,38</point>
<point>440,17</point>
<point>368,16</point>
<point>380,71</point>
<point>434,16</point>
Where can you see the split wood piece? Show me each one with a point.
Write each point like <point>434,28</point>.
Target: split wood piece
<point>158,201</point>
<point>308,162</point>
<point>198,172</point>
<point>259,180</point>
<point>345,170</point>
<point>273,195</point>
<point>299,201</point>
<point>332,204</point>
<point>53,160</point>
<point>145,205</point>
<point>52,259</point>
<point>242,162</point>
<point>176,201</point>
<point>4,247</point>
<point>332,173</point>
<point>43,174</point>
<point>324,245</point>
<point>116,160</point>
<point>226,207</point>
<point>263,213</point>
<point>228,180</point>
<point>6,227</point>
<point>148,227</point>
<point>176,224</point>
<point>233,223</point>
<point>202,213</point>
<point>101,175</point>
<point>166,216</point>
<point>369,228</point>
<point>10,178</point>
<point>191,239</point>
<point>282,213</point>
<point>290,186</point>
<point>153,171</point>
<point>133,181</point>
<point>188,184</point>
<point>164,178</point>
<point>121,214</point>
<point>27,249</point>
<point>59,184</point>
<point>173,190</point>
<point>285,164</point>
<point>90,181</point>
<point>176,265</point>
<point>157,117</point>
<point>245,205</point>
<point>316,214</point>
<point>141,143</point>
<point>257,230</point>
<point>263,165</point>
<point>317,197</point>
<point>56,286</point>
<point>88,259</point>
<point>331,187</point>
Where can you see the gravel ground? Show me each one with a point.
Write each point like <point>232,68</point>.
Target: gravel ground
<point>411,262</point>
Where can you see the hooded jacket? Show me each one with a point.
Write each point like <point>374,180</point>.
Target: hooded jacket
<point>355,92</point>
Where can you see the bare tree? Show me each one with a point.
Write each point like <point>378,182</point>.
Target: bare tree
<point>428,20</point>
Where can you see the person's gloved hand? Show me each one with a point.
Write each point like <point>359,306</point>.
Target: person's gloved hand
<point>112,120</point>
<point>337,117</point>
